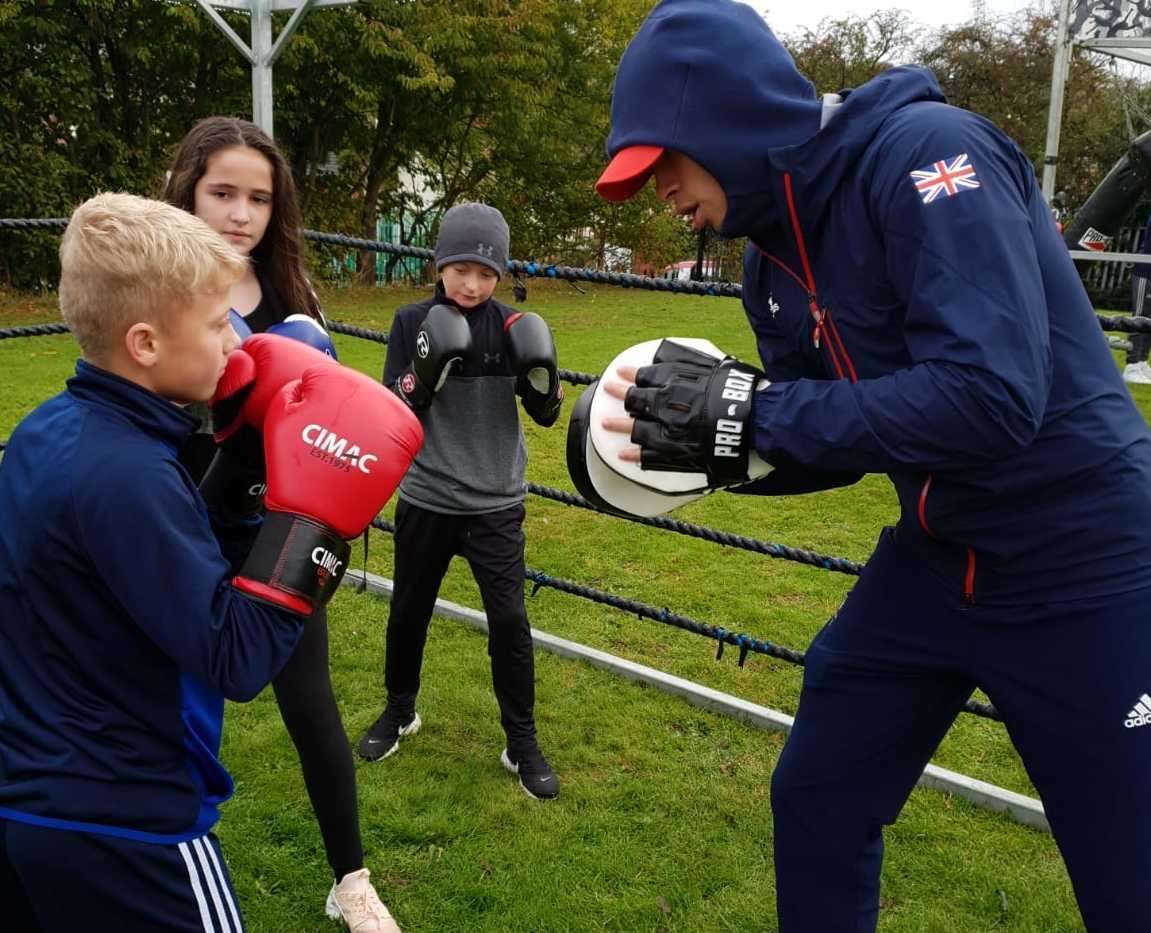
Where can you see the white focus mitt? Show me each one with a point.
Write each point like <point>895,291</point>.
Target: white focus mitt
<point>691,409</point>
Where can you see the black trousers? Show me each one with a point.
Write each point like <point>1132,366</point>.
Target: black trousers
<point>493,545</point>
<point>1140,343</point>
<point>57,881</point>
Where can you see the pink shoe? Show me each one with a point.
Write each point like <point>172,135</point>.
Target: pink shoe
<point>355,902</point>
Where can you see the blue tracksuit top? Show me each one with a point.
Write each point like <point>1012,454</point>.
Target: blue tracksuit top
<point>918,316</point>
<point>120,634</point>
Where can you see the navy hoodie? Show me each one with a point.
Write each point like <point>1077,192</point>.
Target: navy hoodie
<point>474,457</point>
<point>120,632</point>
<point>914,306</point>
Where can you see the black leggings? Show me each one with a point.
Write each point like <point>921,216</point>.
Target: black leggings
<point>308,708</point>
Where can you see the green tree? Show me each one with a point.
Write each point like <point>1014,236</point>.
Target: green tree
<point>1002,70</point>
<point>93,95</point>
<point>505,100</point>
<point>846,52</point>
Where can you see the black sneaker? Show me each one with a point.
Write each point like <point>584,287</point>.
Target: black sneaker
<point>383,738</point>
<point>536,776</point>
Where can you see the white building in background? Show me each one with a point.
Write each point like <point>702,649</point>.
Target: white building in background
<point>681,271</point>
<point>617,259</point>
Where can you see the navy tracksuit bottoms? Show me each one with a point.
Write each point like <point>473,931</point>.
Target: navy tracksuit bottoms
<point>60,881</point>
<point>884,680</point>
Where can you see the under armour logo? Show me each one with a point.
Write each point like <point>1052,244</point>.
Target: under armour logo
<point>490,358</point>
<point>422,344</point>
<point>485,249</point>
<point>772,305</point>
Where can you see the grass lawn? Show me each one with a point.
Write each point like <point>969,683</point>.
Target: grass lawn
<point>664,821</point>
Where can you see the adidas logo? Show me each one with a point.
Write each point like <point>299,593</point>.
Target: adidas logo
<point>1140,715</point>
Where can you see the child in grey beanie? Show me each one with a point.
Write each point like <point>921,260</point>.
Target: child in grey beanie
<point>473,232</point>
<point>464,494</point>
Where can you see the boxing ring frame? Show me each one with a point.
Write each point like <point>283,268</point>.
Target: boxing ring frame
<point>1023,809</point>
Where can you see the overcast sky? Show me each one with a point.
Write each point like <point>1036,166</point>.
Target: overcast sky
<point>791,15</point>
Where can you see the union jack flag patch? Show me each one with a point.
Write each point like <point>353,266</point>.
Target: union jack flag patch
<point>946,177</point>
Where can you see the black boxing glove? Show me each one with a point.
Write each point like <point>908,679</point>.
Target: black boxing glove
<point>442,342</point>
<point>532,353</point>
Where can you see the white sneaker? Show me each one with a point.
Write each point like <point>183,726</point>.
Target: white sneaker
<point>1138,373</point>
<point>356,904</point>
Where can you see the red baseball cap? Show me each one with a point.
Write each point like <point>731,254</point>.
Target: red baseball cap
<point>628,172</point>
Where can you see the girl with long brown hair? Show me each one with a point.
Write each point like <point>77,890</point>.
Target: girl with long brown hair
<point>230,173</point>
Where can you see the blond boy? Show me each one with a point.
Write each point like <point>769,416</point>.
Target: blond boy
<point>120,637</point>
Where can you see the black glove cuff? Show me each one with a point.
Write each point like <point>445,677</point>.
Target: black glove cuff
<point>413,392</point>
<point>298,556</point>
<point>226,411</point>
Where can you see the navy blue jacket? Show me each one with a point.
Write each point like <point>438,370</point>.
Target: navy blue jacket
<point>120,633</point>
<point>915,308</point>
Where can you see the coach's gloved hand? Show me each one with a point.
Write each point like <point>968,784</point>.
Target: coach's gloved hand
<point>693,405</point>
<point>337,445</point>
<point>234,481</point>
<point>693,413</point>
<point>532,353</point>
<point>442,341</point>
<point>305,329</point>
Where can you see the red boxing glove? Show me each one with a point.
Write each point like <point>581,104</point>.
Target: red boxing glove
<point>234,481</point>
<point>337,445</point>
<point>256,372</point>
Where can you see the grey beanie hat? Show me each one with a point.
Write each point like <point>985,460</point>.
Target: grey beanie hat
<point>473,232</point>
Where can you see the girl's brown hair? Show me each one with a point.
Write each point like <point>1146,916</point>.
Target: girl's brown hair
<point>279,254</point>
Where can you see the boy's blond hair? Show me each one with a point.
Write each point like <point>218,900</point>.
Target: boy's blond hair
<point>126,259</point>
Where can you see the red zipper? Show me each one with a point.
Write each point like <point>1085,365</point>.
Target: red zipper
<point>969,575</point>
<point>841,359</point>
<point>833,330</point>
<point>824,324</point>
<point>969,578</point>
<point>923,505</point>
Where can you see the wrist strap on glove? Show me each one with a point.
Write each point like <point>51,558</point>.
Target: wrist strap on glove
<point>236,479</point>
<point>693,414</point>
<point>414,393</point>
<point>296,563</point>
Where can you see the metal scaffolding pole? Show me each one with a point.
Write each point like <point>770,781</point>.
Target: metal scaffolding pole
<point>262,52</point>
<point>1055,109</point>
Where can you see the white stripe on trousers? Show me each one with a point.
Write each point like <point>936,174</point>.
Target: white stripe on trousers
<point>224,887</point>
<point>204,870</point>
<point>213,886</point>
<point>194,879</point>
